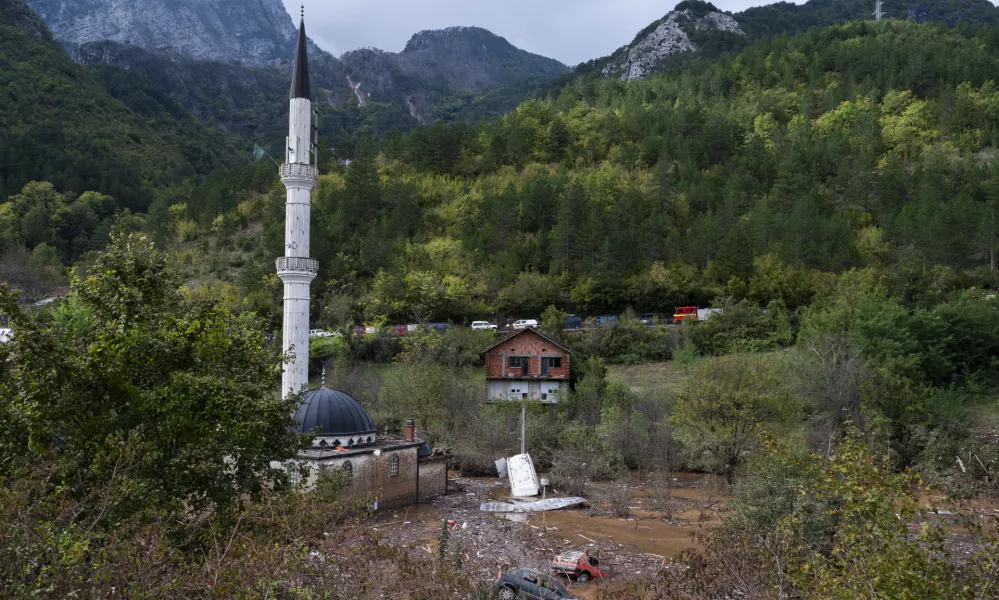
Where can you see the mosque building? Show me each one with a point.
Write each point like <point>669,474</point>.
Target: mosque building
<point>395,470</point>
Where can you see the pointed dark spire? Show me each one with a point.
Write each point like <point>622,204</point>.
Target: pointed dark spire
<point>300,73</point>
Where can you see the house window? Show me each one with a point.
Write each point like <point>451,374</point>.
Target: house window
<point>517,362</point>
<point>549,392</point>
<point>394,466</point>
<point>515,388</point>
<point>550,362</point>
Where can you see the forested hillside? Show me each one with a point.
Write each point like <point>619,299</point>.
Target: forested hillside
<point>58,124</point>
<point>866,145</point>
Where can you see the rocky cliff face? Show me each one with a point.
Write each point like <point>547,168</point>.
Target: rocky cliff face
<point>667,37</point>
<point>443,63</point>
<point>250,31</point>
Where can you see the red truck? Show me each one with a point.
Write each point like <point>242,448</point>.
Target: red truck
<point>579,566</point>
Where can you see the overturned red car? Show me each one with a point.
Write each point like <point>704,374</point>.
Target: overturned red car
<point>579,566</point>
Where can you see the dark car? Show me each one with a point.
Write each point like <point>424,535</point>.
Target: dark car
<point>527,583</point>
<point>574,322</point>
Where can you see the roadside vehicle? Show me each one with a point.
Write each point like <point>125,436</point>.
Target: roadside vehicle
<point>320,333</point>
<point>6,335</point>
<point>483,325</point>
<point>528,583</point>
<point>441,327</point>
<point>524,324</point>
<point>574,322</point>
<point>685,313</point>
<point>606,320</point>
<point>399,330</point>
<point>579,566</point>
<point>648,318</point>
<point>359,330</point>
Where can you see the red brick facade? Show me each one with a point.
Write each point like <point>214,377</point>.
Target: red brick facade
<point>531,346</point>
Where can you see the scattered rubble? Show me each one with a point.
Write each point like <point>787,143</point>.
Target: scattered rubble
<point>632,548</point>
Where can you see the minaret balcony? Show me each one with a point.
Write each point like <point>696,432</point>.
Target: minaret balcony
<point>299,173</point>
<point>291,265</point>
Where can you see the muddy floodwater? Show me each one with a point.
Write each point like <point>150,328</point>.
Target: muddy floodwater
<point>634,528</point>
<point>651,535</point>
<point>661,522</point>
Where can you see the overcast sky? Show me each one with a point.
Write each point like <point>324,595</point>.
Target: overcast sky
<point>572,31</point>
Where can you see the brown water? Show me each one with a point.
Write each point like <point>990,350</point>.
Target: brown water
<point>653,536</point>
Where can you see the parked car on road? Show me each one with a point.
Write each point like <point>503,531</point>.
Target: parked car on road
<point>320,333</point>
<point>606,320</point>
<point>574,322</point>
<point>648,318</point>
<point>524,324</point>
<point>483,325</point>
<point>528,583</point>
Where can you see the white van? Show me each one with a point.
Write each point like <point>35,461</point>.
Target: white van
<point>525,323</point>
<point>320,333</point>
<point>483,325</point>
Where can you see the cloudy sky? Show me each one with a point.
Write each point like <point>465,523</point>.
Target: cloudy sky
<point>571,31</point>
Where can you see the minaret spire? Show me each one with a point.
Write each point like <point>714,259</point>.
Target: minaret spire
<point>300,73</point>
<point>296,269</point>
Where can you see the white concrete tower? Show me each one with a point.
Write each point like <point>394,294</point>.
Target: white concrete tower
<point>295,268</point>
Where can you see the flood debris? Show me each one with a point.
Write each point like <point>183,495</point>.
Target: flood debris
<point>536,506</point>
<point>523,477</point>
<point>501,468</point>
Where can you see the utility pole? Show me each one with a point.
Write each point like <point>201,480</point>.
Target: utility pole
<point>523,428</point>
<point>878,13</point>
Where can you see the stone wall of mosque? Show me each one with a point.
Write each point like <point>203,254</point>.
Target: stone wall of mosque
<point>433,477</point>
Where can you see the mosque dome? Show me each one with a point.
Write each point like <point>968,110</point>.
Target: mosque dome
<point>335,418</point>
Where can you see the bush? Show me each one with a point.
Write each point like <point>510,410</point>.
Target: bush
<point>742,327</point>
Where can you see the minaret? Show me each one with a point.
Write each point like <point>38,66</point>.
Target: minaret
<point>295,268</point>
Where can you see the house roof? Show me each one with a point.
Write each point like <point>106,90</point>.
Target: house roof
<point>523,331</point>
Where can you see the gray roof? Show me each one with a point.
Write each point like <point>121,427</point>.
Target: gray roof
<point>333,413</point>
<point>300,72</point>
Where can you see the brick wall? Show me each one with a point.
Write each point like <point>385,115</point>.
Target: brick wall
<point>527,343</point>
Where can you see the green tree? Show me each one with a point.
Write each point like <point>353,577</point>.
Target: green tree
<point>724,401</point>
<point>176,379</point>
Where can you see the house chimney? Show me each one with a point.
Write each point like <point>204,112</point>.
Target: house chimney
<point>410,430</point>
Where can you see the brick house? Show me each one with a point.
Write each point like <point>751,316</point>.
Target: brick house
<point>526,366</point>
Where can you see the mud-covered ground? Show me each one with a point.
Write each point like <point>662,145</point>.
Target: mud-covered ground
<point>661,522</point>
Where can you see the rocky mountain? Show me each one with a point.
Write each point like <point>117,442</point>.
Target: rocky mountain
<point>698,29</point>
<point>671,35</point>
<point>59,124</point>
<point>251,31</point>
<point>214,57</point>
<point>443,66</point>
